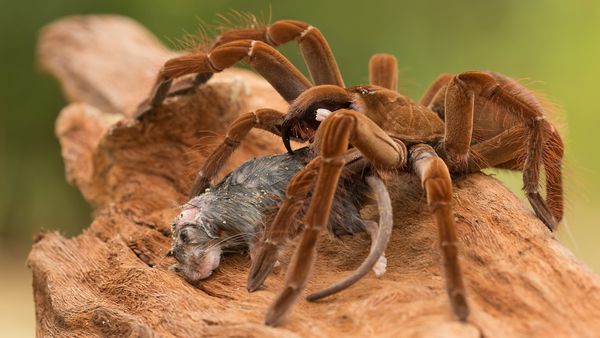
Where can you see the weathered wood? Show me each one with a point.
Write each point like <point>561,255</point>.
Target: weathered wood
<point>113,279</point>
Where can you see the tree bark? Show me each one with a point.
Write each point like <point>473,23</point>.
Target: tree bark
<point>114,278</point>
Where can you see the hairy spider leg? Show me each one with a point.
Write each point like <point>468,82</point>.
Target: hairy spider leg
<point>378,242</point>
<point>266,119</point>
<point>434,90</point>
<point>383,71</point>
<point>314,47</point>
<point>437,184</point>
<point>267,61</point>
<point>541,141</point>
<point>276,233</point>
<point>341,128</point>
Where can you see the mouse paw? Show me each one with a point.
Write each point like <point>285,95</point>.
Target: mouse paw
<point>380,267</point>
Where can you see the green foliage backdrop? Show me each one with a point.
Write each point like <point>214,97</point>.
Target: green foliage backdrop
<point>556,44</point>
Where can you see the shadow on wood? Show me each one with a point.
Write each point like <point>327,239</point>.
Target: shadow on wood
<point>113,279</point>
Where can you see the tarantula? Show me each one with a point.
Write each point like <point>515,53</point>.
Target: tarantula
<point>462,124</point>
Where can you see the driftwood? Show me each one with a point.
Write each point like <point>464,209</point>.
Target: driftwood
<point>114,278</point>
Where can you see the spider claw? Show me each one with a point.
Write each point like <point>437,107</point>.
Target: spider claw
<point>459,305</point>
<point>282,305</point>
<point>541,210</point>
<point>262,266</point>
<point>143,111</point>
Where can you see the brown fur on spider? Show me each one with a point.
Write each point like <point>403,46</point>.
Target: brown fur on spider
<point>463,123</point>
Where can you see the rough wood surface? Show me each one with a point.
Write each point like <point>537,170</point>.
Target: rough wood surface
<point>113,279</point>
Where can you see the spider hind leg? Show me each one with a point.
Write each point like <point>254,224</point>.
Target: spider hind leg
<point>477,102</point>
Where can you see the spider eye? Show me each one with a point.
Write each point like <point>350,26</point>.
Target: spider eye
<point>365,91</point>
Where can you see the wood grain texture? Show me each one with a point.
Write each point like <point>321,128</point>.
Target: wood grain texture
<point>113,279</point>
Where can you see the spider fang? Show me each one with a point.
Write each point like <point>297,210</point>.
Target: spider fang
<point>322,114</point>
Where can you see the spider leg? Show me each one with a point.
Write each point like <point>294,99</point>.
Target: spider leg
<point>433,91</point>
<point>500,151</point>
<point>379,241</point>
<point>276,233</point>
<point>383,71</point>
<point>437,184</point>
<point>182,87</point>
<point>267,61</point>
<point>542,142</point>
<point>314,48</point>
<point>335,134</point>
<point>267,119</point>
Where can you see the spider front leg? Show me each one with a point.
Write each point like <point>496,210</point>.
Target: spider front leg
<point>267,61</point>
<point>314,48</point>
<point>267,251</point>
<point>380,235</point>
<point>437,184</point>
<point>276,233</point>
<point>335,134</point>
<point>266,119</point>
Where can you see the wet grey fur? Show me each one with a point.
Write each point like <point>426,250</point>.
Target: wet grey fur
<point>232,215</point>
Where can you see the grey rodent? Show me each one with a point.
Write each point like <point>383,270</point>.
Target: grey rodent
<point>231,216</point>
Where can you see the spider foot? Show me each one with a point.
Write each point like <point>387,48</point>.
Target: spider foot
<point>144,111</point>
<point>459,304</point>
<point>262,265</point>
<point>185,86</point>
<point>541,210</point>
<point>282,305</point>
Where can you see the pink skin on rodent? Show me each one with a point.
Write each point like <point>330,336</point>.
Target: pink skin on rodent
<point>198,263</point>
<point>187,216</point>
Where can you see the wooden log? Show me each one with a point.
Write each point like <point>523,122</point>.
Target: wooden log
<point>114,278</point>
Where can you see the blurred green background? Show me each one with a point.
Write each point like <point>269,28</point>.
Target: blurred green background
<point>556,44</point>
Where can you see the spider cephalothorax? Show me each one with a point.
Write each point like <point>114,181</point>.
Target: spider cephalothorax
<point>463,123</point>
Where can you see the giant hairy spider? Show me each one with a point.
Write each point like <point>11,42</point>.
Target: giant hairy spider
<point>463,123</point>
